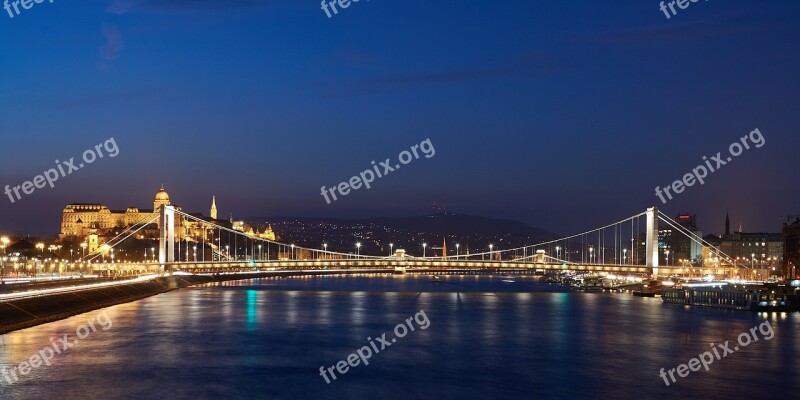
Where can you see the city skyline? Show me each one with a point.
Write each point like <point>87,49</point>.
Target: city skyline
<point>738,225</point>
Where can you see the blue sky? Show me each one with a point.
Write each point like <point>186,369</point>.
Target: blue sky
<point>564,115</point>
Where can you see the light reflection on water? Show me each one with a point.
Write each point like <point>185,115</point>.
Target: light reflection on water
<point>268,338</point>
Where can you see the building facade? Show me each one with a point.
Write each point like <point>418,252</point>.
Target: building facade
<point>761,250</point>
<point>791,249</point>
<point>83,219</point>
<point>95,223</point>
<point>685,250</point>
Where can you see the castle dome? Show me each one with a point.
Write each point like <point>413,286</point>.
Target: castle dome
<point>162,199</point>
<point>162,195</point>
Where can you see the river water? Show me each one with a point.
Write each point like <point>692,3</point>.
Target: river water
<point>484,339</point>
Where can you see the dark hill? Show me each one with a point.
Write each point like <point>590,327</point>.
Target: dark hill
<point>471,232</point>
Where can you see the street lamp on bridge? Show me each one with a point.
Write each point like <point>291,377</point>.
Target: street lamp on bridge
<point>633,248</point>
<point>391,248</point>
<point>424,245</point>
<point>457,246</point>
<point>358,248</point>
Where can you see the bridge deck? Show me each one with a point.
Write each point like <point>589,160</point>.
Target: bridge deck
<point>372,263</point>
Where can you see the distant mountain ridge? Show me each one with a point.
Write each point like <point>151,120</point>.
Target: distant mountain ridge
<point>444,223</point>
<point>469,230</point>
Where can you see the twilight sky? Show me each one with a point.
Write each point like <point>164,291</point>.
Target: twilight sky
<point>564,115</point>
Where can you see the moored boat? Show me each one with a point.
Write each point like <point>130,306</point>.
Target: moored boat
<point>733,296</point>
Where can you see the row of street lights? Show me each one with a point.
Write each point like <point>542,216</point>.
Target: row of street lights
<point>391,248</point>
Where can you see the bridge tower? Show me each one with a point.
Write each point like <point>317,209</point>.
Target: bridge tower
<point>651,244</point>
<point>166,244</point>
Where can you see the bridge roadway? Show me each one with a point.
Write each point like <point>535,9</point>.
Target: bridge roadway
<point>125,268</point>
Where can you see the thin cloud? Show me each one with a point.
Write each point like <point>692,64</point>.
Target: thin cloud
<point>113,45</point>
<point>120,7</point>
<point>527,64</point>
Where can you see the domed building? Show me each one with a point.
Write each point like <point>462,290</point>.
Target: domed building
<point>97,224</point>
<point>79,219</point>
<point>162,199</point>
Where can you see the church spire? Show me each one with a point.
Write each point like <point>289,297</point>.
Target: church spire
<point>213,207</point>
<point>727,223</point>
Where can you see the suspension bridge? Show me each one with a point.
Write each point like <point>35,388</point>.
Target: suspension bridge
<point>628,246</point>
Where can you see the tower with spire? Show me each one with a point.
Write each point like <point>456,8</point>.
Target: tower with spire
<point>213,207</point>
<point>727,224</point>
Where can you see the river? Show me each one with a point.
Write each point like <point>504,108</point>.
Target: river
<point>482,339</point>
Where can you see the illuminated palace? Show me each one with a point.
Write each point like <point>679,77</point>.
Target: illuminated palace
<point>93,219</point>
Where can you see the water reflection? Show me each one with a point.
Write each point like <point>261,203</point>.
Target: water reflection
<point>267,339</point>
<point>252,309</point>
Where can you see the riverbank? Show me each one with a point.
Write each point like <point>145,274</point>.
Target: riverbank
<point>28,312</point>
<point>36,310</point>
<point>17,287</point>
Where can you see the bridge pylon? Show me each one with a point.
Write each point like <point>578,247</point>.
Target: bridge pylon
<point>651,244</point>
<point>166,243</point>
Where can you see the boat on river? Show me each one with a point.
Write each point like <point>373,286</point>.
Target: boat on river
<point>734,296</point>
